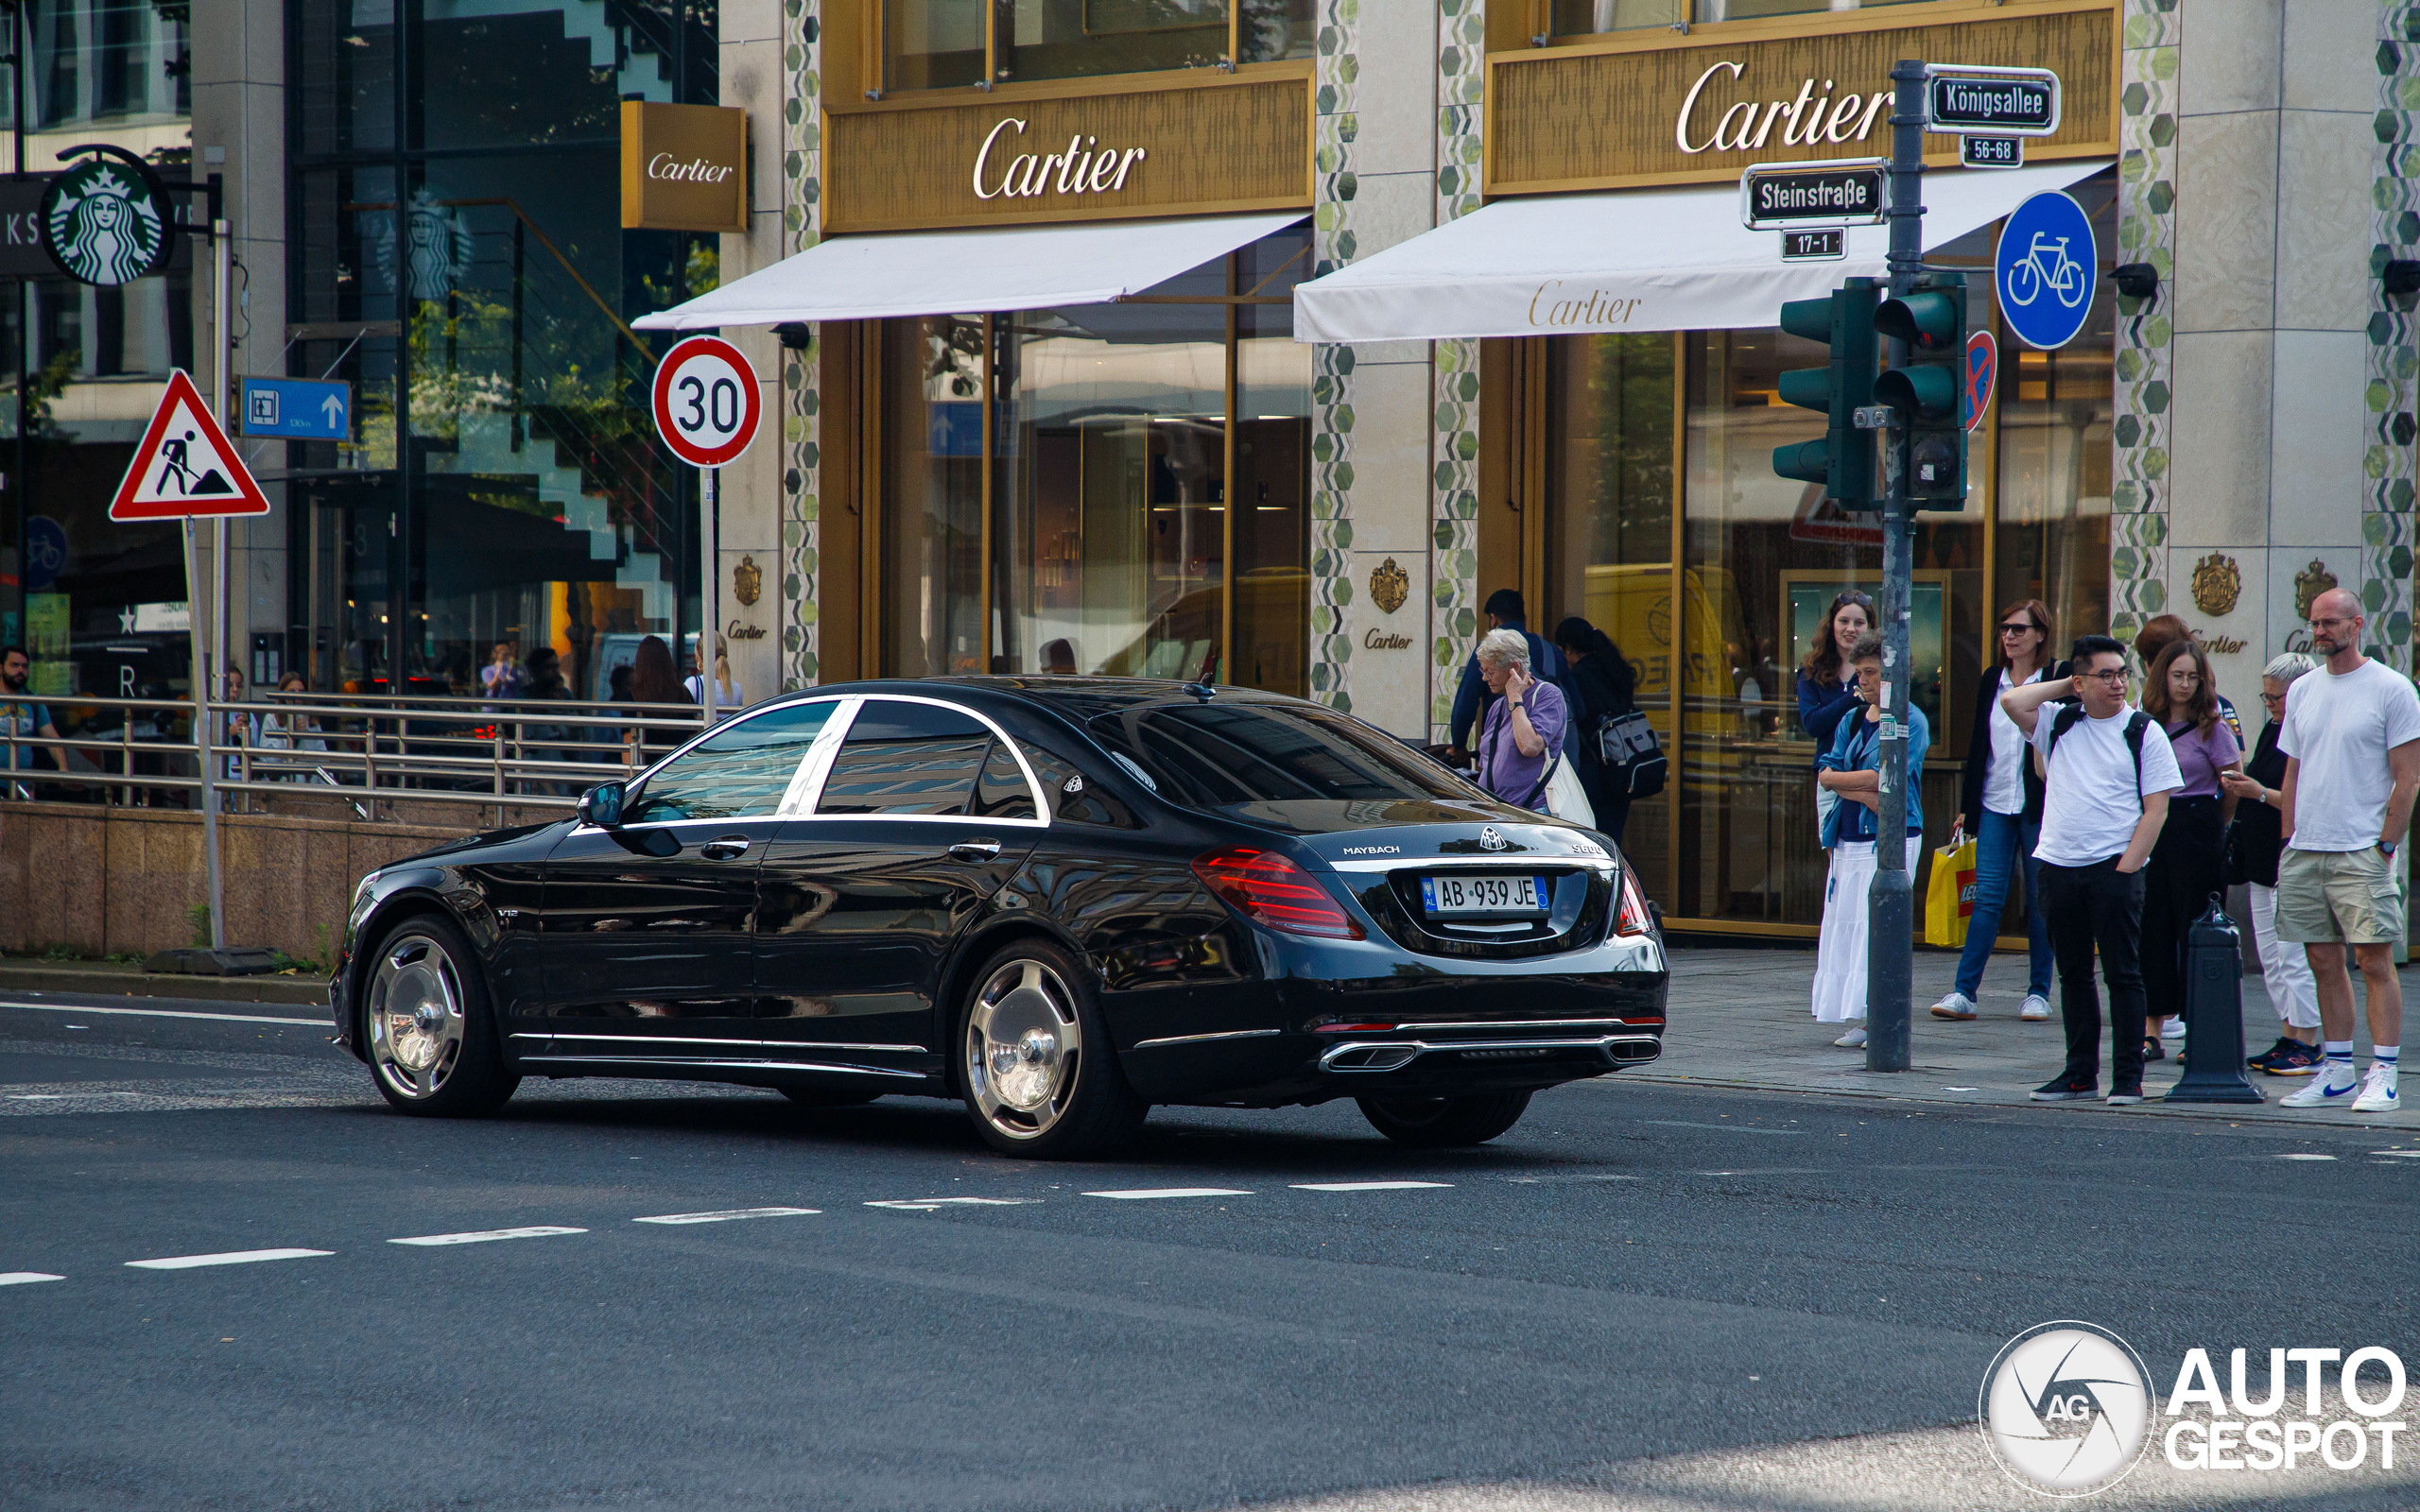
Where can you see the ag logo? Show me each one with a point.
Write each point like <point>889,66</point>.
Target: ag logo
<point>2066,1409</point>
<point>108,222</point>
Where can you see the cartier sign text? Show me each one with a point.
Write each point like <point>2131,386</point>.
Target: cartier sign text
<point>1084,168</point>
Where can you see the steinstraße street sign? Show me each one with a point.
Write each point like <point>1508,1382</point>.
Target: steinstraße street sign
<point>705,401</point>
<point>2045,271</point>
<point>297,409</point>
<point>1776,196</point>
<point>185,467</point>
<point>1995,101</point>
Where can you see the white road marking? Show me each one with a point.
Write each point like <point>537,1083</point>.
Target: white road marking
<point>160,1013</point>
<point>728,1214</point>
<point>1546,1180</point>
<point>2305,1156</point>
<point>486,1236</point>
<point>25,1278</point>
<point>1720,1128</point>
<point>233,1257</point>
<point>2408,1154</point>
<point>1947,1089</point>
<point>1364,1186</point>
<point>1141,1193</point>
<point>929,1204</point>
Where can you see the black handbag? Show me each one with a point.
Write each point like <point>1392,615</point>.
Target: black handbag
<point>1633,758</point>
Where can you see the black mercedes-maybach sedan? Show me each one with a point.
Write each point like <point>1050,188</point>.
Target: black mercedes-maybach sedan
<point>1059,900</point>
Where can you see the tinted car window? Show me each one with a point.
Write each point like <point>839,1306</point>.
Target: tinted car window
<point>1001,792</point>
<point>1212,755</point>
<point>741,770</point>
<point>1087,804</point>
<point>907,758</point>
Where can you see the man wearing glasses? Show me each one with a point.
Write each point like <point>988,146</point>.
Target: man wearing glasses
<point>2105,799</point>
<point>2352,742</point>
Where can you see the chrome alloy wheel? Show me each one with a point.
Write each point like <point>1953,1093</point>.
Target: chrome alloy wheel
<point>415,1012</point>
<point>1024,1049</point>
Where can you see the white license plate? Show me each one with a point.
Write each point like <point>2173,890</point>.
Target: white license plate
<point>1443,897</point>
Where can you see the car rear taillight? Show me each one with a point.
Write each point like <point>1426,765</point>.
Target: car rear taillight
<point>1635,918</point>
<point>1269,889</point>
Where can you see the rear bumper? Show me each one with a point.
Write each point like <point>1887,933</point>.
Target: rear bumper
<point>1384,1057</point>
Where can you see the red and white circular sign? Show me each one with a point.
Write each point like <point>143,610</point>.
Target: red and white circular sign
<point>705,401</point>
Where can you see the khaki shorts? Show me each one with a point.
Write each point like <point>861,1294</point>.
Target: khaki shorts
<point>2326,896</point>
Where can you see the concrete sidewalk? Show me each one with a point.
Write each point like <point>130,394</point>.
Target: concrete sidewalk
<point>1741,1018</point>
<point>21,973</point>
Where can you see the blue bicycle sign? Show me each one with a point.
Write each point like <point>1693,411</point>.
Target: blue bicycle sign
<point>2046,270</point>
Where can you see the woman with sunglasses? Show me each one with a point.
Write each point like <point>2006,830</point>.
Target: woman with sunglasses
<point>2001,811</point>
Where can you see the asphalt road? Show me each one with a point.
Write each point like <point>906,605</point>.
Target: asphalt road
<point>1643,1296</point>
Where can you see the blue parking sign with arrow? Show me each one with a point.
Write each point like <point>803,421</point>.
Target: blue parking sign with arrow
<point>297,409</point>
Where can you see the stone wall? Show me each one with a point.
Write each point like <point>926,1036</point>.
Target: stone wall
<point>119,880</point>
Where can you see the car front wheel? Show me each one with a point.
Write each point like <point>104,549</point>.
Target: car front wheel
<point>432,1041</point>
<point>1041,1081</point>
<point>1444,1123</point>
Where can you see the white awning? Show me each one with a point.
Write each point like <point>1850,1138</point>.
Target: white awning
<point>1639,259</point>
<point>951,272</point>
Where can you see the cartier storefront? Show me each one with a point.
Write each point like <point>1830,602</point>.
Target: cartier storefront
<point>1064,425</point>
<point>1630,365</point>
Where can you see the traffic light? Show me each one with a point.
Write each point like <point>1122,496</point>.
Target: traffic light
<point>1843,461</point>
<point>1931,319</point>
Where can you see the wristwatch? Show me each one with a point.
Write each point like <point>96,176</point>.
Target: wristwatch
<point>2386,848</point>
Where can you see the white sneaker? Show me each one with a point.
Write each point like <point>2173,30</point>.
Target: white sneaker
<point>2331,1086</point>
<point>2173,1028</point>
<point>1956,1006</point>
<point>2036,1009</point>
<point>1853,1039</point>
<point>2378,1092</point>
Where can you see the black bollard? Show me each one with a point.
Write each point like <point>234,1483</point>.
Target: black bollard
<point>2214,1013</point>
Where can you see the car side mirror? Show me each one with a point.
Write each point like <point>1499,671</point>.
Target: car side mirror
<point>602,805</point>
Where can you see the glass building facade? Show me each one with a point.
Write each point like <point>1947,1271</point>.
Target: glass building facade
<point>99,604</point>
<point>457,254</point>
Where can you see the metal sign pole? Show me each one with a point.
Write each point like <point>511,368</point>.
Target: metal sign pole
<point>194,631</point>
<point>219,619</point>
<point>1891,905</point>
<point>710,486</point>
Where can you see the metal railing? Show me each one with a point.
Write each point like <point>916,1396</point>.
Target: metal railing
<point>365,750</point>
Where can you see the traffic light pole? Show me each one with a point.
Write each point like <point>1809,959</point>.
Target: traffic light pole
<point>1891,906</point>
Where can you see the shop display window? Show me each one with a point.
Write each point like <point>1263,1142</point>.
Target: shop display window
<point>1122,437</point>
<point>944,43</point>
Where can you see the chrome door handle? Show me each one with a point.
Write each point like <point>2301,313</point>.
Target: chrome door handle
<point>727,848</point>
<point>974,850</point>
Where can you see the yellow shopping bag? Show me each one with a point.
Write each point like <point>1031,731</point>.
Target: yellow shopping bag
<point>1950,897</point>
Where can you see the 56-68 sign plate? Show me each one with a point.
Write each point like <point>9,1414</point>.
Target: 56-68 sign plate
<point>706,401</point>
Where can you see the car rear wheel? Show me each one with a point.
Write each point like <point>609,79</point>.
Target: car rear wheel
<point>1444,1123</point>
<point>432,1041</point>
<point>1041,1081</point>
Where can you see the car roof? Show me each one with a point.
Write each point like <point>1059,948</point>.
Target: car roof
<point>1072,697</point>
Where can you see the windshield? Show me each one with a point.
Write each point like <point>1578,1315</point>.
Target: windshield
<point>1218,755</point>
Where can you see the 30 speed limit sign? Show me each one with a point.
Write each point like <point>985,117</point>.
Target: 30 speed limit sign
<point>705,401</point>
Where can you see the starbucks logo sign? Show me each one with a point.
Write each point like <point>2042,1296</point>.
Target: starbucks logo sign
<point>108,222</point>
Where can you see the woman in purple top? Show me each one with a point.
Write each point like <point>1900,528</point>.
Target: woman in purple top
<point>2187,865</point>
<point>1523,730</point>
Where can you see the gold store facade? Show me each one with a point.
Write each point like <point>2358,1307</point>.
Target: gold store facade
<point>1115,487</point>
<point>1633,468</point>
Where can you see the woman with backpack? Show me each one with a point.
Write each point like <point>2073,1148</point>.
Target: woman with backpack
<point>2188,865</point>
<point>1604,688</point>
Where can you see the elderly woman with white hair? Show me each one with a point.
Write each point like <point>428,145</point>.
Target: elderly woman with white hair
<point>1522,731</point>
<point>2285,969</point>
